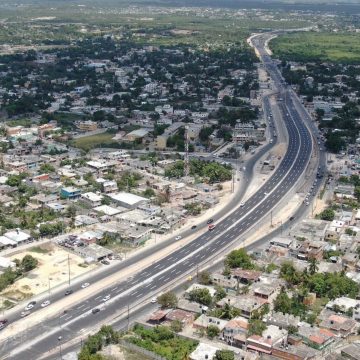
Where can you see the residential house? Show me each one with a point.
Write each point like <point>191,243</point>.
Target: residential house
<point>339,325</point>
<point>247,304</point>
<point>91,199</point>
<point>70,193</point>
<point>237,326</point>
<point>203,322</point>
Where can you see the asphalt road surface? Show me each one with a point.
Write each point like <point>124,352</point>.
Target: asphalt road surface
<point>37,341</point>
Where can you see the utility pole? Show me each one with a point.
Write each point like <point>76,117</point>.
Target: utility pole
<point>69,267</point>
<point>128,317</point>
<point>271,223</point>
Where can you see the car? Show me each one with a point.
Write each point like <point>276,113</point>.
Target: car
<point>106,298</point>
<point>211,227</point>
<point>307,203</point>
<point>266,194</point>
<point>193,227</point>
<point>30,305</point>
<point>210,221</point>
<point>242,204</point>
<point>95,310</point>
<point>105,262</point>
<point>68,292</point>
<point>3,323</point>
<point>178,237</point>
<point>153,300</point>
<point>45,303</point>
<point>85,285</point>
<point>291,218</point>
<point>25,313</point>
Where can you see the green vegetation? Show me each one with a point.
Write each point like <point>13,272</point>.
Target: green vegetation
<point>10,275</point>
<point>212,331</point>
<point>324,285</point>
<point>39,250</point>
<point>95,343</point>
<point>239,259</point>
<point>212,172</point>
<point>224,355</point>
<point>94,141</point>
<point>323,46</point>
<point>327,214</point>
<point>168,300</point>
<point>163,342</point>
<point>202,296</point>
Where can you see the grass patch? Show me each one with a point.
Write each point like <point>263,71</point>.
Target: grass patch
<point>39,250</point>
<point>91,142</point>
<point>323,46</point>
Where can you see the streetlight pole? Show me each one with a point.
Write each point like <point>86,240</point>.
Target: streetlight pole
<point>69,267</point>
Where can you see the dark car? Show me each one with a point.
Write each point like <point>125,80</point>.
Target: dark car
<point>68,292</point>
<point>3,323</point>
<point>291,218</point>
<point>210,221</point>
<point>95,310</point>
<point>194,227</point>
<point>105,262</point>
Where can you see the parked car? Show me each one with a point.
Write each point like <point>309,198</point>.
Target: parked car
<point>25,313</point>
<point>3,323</point>
<point>68,292</point>
<point>193,227</point>
<point>85,285</point>
<point>210,221</point>
<point>178,237</point>
<point>105,262</point>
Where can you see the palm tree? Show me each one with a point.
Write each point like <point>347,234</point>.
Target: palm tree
<point>313,268</point>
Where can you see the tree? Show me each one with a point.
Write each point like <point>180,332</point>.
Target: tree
<point>201,296</point>
<point>256,327</point>
<point>167,300</point>
<point>212,331</point>
<point>313,268</point>
<point>176,326</point>
<point>224,355</point>
<point>289,273</point>
<point>239,259</point>
<point>327,214</point>
<point>47,168</point>
<point>204,278</point>
<point>28,263</point>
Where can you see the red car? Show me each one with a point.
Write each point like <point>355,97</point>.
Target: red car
<point>212,226</point>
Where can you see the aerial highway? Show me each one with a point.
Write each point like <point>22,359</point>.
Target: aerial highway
<point>56,332</point>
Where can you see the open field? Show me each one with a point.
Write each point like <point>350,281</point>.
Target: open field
<point>91,142</point>
<point>310,46</point>
<point>53,270</point>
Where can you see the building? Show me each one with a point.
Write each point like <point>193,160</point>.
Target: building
<point>236,326</point>
<point>127,200</point>
<point>203,321</point>
<point>93,252</point>
<point>247,304</point>
<point>204,352</point>
<point>136,135</point>
<point>70,193</point>
<point>87,125</point>
<point>339,325</point>
<point>92,199</point>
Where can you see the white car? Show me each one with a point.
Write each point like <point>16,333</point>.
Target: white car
<point>178,237</point>
<point>153,300</point>
<point>106,298</point>
<point>45,303</point>
<point>242,204</point>
<point>85,285</point>
<point>25,313</point>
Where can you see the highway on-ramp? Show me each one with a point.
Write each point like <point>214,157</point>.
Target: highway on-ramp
<point>35,342</point>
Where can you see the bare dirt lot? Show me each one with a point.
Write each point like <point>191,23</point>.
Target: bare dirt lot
<point>52,270</point>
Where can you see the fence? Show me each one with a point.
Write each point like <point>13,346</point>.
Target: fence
<point>139,349</point>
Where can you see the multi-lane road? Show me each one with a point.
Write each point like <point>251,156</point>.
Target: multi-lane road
<point>35,342</point>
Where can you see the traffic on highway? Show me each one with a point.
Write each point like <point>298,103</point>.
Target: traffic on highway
<point>217,237</point>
